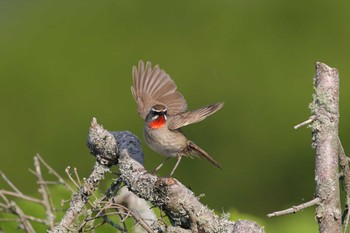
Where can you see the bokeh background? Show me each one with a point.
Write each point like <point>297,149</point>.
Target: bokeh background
<point>64,62</point>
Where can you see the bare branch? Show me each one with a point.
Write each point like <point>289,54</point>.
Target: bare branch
<point>182,207</point>
<point>297,208</point>
<point>53,172</point>
<point>67,171</point>
<point>177,202</point>
<point>325,107</point>
<point>12,207</point>
<point>10,183</point>
<point>105,157</point>
<point>46,200</point>
<point>77,175</point>
<point>173,198</point>
<point>81,197</point>
<point>21,196</point>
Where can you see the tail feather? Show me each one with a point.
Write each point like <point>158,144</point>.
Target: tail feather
<point>195,150</point>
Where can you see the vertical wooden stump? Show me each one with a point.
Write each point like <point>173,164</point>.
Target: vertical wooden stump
<point>325,109</point>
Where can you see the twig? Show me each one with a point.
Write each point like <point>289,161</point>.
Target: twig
<point>46,201</point>
<point>22,217</point>
<point>77,175</point>
<point>21,196</point>
<point>32,218</point>
<point>295,209</point>
<point>10,183</point>
<point>135,215</point>
<point>308,121</point>
<point>47,182</point>
<point>77,185</point>
<point>67,170</point>
<point>113,224</point>
<point>142,222</point>
<point>52,171</point>
<point>81,197</point>
<point>15,209</point>
<point>104,159</point>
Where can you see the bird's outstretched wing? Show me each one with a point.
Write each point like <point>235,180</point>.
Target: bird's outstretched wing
<point>194,116</point>
<point>154,86</point>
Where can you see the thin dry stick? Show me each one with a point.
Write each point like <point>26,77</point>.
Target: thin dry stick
<point>67,170</point>
<point>21,196</point>
<point>76,184</point>
<point>81,197</point>
<point>31,218</point>
<point>43,190</point>
<point>113,224</point>
<point>15,209</point>
<point>325,107</point>
<point>297,208</point>
<point>135,215</point>
<point>49,182</point>
<point>142,222</point>
<point>77,175</point>
<point>308,121</point>
<point>10,183</point>
<point>52,171</point>
<point>22,217</point>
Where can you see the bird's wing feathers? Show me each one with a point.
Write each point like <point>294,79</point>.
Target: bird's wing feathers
<point>194,116</point>
<point>154,86</point>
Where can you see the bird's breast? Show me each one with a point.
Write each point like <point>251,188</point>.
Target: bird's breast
<point>166,142</point>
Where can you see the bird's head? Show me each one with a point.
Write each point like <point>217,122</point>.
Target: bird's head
<point>157,116</point>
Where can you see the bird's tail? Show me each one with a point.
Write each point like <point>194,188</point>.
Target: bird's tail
<point>195,150</point>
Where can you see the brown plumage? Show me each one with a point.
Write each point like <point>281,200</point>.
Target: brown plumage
<point>151,87</point>
<point>164,110</point>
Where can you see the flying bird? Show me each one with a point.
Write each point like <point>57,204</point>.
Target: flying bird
<point>164,111</point>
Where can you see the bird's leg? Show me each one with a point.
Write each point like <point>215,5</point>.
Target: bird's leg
<point>161,165</point>
<point>179,157</point>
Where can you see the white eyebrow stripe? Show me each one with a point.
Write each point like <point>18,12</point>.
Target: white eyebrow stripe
<point>156,110</point>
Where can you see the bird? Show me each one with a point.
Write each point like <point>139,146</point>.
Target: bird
<point>164,111</point>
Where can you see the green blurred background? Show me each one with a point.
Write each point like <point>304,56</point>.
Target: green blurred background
<point>64,62</point>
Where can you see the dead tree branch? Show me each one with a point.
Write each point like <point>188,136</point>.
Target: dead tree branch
<point>105,153</point>
<point>180,204</point>
<point>325,108</point>
<point>184,210</point>
<point>324,124</point>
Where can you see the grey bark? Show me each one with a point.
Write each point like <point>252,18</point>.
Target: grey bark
<point>325,108</point>
<point>185,211</point>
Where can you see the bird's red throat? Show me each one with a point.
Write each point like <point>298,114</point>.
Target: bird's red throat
<point>157,123</point>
